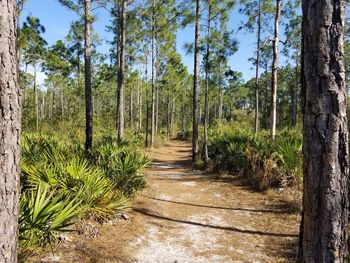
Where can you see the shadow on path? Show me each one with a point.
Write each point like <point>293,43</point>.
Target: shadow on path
<point>149,213</point>
<point>275,211</point>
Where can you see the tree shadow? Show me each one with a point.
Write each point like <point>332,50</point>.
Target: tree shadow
<point>283,209</point>
<point>150,213</point>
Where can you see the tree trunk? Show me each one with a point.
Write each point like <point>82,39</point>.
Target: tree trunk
<point>256,126</point>
<point>88,101</point>
<point>326,155</point>
<point>10,122</point>
<point>153,76</point>
<point>121,69</point>
<point>196,86</point>
<point>147,99</point>
<point>157,89</point>
<point>295,95</point>
<point>220,95</point>
<point>131,107</point>
<point>206,103</point>
<point>36,100</point>
<point>139,102</point>
<point>62,103</point>
<point>274,71</point>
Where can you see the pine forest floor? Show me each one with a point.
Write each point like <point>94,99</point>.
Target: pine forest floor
<point>188,216</point>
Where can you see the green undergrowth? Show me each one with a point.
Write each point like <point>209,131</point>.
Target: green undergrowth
<point>263,163</point>
<point>60,184</point>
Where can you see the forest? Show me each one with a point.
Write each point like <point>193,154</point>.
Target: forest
<point>174,131</point>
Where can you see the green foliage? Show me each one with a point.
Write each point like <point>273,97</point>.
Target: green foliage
<point>265,163</point>
<point>59,185</point>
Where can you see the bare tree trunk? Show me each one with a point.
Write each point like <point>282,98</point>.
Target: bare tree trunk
<point>139,101</point>
<point>147,99</point>
<point>62,103</point>
<point>295,95</point>
<point>206,103</point>
<point>267,84</point>
<point>220,95</point>
<point>153,76</point>
<point>157,88</point>
<point>274,71</point>
<point>36,100</point>
<point>196,86</point>
<point>323,235</point>
<point>25,84</point>
<point>131,107</point>
<point>121,69</point>
<point>172,123</point>
<point>256,127</point>
<point>88,101</point>
<point>10,122</point>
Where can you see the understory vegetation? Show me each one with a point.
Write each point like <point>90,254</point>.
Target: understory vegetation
<point>263,162</point>
<point>60,184</point>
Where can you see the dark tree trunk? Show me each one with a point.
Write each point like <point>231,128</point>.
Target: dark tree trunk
<point>10,123</point>
<point>274,71</point>
<point>196,86</point>
<point>153,75</point>
<point>326,156</point>
<point>36,100</point>
<point>220,103</point>
<point>206,103</point>
<point>121,69</point>
<point>147,99</point>
<point>157,88</point>
<point>88,101</point>
<point>257,61</point>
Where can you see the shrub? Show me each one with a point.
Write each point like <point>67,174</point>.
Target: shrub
<point>265,163</point>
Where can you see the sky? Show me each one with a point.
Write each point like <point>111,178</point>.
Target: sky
<point>57,19</point>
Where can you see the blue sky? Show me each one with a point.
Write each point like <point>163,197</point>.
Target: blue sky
<point>57,20</point>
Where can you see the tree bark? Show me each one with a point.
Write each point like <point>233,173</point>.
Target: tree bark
<point>121,69</point>
<point>147,99</point>
<point>88,100</point>
<point>326,155</point>
<point>274,71</point>
<point>257,61</point>
<point>206,103</point>
<point>10,123</point>
<point>153,76</point>
<point>36,100</point>
<point>196,86</point>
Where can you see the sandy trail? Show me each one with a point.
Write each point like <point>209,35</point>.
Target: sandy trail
<point>191,217</point>
<point>186,216</point>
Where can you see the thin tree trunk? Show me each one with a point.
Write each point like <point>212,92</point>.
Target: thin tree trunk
<point>88,101</point>
<point>266,98</point>
<point>10,121</point>
<point>147,99</point>
<point>153,76</point>
<point>131,107</point>
<point>206,103</point>
<point>220,95</point>
<point>62,103</point>
<point>173,111</point>
<point>121,69</point>
<point>256,127</point>
<point>157,88</point>
<point>139,102</point>
<point>295,95</point>
<point>323,235</point>
<point>25,84</point>
<point>36,100</point>
<point>274,71</point>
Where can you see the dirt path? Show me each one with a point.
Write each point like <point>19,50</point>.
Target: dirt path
<point>185,216</point>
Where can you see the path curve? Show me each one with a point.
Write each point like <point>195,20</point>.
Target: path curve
<point>192,217</point>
